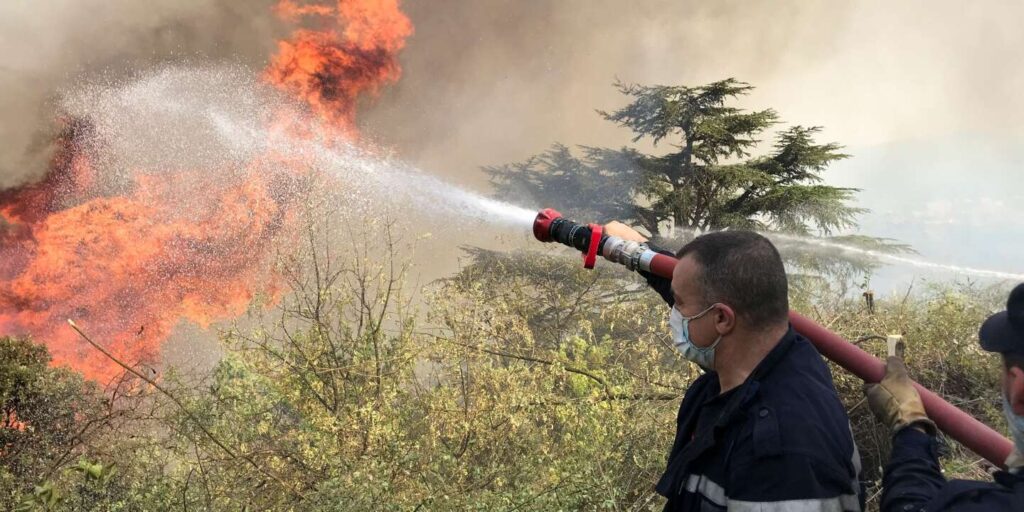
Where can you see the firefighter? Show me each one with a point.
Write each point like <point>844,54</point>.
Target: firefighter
<point>913,481</point>
<point>763,428</point>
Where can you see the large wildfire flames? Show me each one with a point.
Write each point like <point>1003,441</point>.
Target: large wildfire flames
<point>130,265</point>
<point>330,69</point>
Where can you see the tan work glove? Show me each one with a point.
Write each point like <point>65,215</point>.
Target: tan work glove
<point>895,402</point>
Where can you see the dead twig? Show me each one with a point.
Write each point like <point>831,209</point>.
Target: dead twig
<point>231,453</point>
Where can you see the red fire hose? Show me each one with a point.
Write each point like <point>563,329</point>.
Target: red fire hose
<point>550,226</point>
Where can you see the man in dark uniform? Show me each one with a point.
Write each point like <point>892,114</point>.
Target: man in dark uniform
<point>913,480</point>
<point>763,428</point>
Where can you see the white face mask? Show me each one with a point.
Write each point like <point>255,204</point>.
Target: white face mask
<point>1016,424</point>
<point>680,325</point>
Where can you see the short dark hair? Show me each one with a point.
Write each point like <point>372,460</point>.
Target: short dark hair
<point>744,270</point>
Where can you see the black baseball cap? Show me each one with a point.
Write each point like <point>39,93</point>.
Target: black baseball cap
<point>1004,331</point>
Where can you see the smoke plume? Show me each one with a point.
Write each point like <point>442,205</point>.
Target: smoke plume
<point>494,81</point>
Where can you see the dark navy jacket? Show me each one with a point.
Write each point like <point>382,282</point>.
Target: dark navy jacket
<point>781,441</point>
<point>913,482</point>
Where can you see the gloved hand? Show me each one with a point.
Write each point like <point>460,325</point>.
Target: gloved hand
<point>616,228</point>
<point>895,402</point>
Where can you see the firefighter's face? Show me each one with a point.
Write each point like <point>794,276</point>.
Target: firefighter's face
<point>690,299</point>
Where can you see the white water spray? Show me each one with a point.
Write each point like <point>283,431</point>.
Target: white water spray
<point>404,186</point>
<point>367,176</point>
<point>220,117</point>
<point>893,258</point>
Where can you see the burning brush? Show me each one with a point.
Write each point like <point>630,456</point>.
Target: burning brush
<point>160,248</point>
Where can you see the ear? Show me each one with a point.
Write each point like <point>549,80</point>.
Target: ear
<point>1015,389</point>
<point>725,319</point>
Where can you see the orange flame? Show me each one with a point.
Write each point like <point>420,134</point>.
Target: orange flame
<point>331,69</point>
<point>129,267</point>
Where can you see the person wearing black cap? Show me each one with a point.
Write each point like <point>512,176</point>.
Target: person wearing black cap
<point>913,480</point>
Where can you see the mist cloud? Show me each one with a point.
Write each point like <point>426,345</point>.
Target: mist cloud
<point>47,47</point>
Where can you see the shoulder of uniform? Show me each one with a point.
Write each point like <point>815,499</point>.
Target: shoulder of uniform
<point>790,424</point>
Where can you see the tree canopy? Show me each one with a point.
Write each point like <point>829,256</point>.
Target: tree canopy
<point>709,180</point>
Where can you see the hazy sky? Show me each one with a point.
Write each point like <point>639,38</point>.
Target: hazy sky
<point>924,94</point>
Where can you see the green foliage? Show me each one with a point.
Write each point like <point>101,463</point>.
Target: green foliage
<point>579,380</point>
<point>486,403</point>
<point>43,497</point>
<point>41,408</point>
<point>51,417</point>
<point>531,384</point>
<point>526,383</point>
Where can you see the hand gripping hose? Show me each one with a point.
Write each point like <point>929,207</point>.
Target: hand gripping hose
<point>550,226</point>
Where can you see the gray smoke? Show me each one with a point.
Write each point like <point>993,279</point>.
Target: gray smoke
<point>48,47</point>
<point>494,81</point>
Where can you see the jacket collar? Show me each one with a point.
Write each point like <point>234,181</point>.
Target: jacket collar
<point>775,356</point>
<point>749,387</point>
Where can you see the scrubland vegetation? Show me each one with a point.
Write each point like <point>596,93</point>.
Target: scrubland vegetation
<point>519,383</point>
